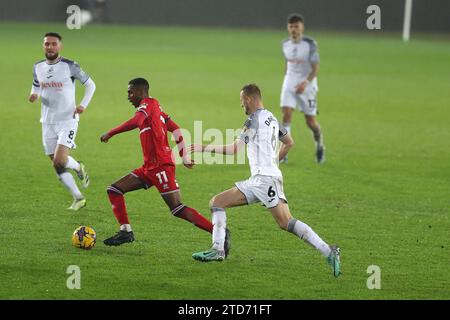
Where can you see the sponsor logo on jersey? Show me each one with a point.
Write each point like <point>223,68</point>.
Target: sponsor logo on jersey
<point>52,84</point>
<point>296,61</point>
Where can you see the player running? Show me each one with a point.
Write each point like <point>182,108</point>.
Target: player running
<point>54,81</point>
<point>261,133</point>
<point>158,169</point>
<point>300,81</point>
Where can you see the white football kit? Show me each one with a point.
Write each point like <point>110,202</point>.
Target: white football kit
<point>55,84</point>
<point>299,57</point>
<point>261,134</point>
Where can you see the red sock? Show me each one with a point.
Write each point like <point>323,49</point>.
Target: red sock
<point>191,215</point>
<point>118,206</point>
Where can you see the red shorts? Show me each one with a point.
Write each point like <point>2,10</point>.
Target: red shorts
<point>163,178</point>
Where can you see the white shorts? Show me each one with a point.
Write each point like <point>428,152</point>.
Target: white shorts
<point>306,102</point>
<point>63,133</point>
<point>265,189</point>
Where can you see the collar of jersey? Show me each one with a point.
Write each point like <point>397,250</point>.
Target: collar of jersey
<point>57,61</point>
<point>262,108</point>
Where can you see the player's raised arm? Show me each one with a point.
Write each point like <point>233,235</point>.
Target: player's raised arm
<point>131,124</point>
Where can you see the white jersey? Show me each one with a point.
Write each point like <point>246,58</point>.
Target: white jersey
<point>56,86</point>
<point>261,133</point>
<point>299,57</point>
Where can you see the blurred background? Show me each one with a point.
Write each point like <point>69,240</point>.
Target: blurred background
<point>427,16</point>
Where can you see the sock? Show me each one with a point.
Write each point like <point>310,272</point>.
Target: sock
<point>118,205</point>
<point>192,215</point>
<point>304,232</point>
<point>287,126</point>
<point>72,164</point>
<point>126,227</point>
<point>69,182</point>
<point>219,221</point>
<point>318,137</point>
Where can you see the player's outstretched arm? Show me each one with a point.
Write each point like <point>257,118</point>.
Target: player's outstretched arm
<point>131,124</point>
<point>228,149</point>
<point>287,145</point>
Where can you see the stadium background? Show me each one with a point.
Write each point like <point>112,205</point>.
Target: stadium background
<point>430,15</point>
<point>382,194</point>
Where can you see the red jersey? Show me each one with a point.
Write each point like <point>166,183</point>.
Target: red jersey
<point>153,134</point>
<point>152,131</point>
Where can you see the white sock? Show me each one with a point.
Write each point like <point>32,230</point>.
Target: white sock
<point>72,164</point>
<point>126,227</point>
<point>287,126</point>
<point>219,221</point>
<point>304,232</point>
<point>69,182</point>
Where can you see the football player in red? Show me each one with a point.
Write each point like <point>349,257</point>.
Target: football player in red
<point>158,169</point>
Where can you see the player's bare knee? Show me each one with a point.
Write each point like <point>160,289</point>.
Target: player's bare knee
<point>216,202</point>
<point>283,225</point>
<point>212,202</point>
<point>59,165</point>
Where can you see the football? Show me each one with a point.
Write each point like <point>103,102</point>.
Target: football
<point>84,237</point>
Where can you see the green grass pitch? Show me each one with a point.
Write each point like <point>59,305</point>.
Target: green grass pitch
<point>383,194</point>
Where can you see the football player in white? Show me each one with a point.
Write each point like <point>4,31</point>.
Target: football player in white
<point>54,82</point>
<point>300,87</point>
<point>261,133</point>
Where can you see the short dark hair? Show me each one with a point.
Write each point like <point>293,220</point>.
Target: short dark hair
<point>53,34</point>
<point>251,90</point>
<point>295,17</point>
<point>139,82</point>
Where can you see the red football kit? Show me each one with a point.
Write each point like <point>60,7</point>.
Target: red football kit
<point>159,167</point>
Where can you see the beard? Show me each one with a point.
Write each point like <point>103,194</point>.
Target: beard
<point>51,56</point>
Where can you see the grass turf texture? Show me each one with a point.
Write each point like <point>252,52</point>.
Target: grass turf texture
<point>383,194</point>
